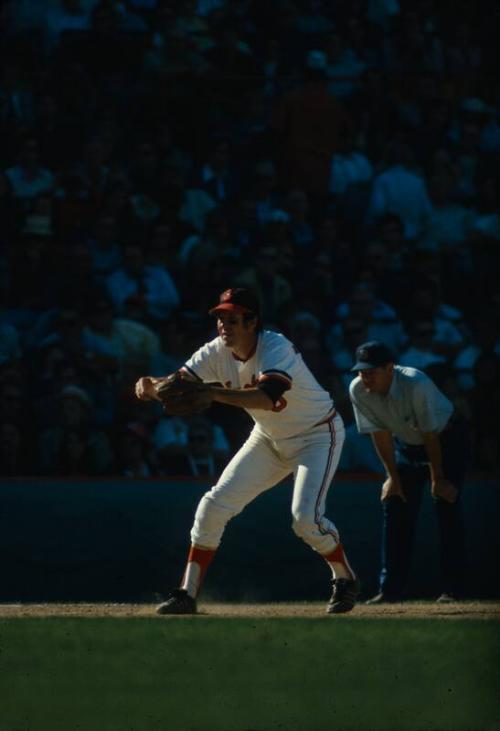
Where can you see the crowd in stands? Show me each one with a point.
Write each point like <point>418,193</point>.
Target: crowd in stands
<point>340,158</point>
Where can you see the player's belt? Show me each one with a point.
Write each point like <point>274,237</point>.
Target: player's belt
<point>330,416</point>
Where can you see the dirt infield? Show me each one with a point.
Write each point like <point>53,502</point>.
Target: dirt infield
<point>487,610</point>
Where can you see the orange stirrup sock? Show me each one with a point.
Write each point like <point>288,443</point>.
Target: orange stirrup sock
<point>339,564</point>
<point>199,559</point>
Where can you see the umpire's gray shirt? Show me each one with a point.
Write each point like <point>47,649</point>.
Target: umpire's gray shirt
<point>412,406</point>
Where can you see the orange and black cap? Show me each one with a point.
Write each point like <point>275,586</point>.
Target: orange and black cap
<point>237,299</point>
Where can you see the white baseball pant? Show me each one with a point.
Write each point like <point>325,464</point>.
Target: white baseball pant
<point>260,464</point>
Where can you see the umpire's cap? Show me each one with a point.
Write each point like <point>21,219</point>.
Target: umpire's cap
<point>372,355</point>
<point>237,299</point>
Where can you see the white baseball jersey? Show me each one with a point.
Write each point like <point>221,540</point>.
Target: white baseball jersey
<point>304,402</point>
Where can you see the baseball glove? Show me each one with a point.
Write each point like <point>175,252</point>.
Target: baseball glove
<point>182,397</point>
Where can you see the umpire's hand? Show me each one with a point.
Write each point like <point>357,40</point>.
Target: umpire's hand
<point>444,489</point>
<point>392,488</point>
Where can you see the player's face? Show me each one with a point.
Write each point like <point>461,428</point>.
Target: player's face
<point>234,330</point>
<point>377,380</point>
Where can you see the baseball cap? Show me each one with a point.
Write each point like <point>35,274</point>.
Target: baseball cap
<point>237,299</point>
<point>372,355</point>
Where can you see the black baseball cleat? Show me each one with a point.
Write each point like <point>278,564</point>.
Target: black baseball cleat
<point>179,602</point>
<point>345,592</point>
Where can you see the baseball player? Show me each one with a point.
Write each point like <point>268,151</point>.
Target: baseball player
<point>297,431</point>
<point>417,436</point>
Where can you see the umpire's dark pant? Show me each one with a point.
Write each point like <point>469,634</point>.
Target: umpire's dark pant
<point>400,519</point>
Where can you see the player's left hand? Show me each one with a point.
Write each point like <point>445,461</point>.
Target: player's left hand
<point>444,489</point>
<point>181,396</point>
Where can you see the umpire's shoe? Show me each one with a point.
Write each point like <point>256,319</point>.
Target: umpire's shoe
<point>179,602</point>
<point>345,593</point>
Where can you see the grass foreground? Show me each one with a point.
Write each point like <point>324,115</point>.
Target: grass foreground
<point>239,674</point>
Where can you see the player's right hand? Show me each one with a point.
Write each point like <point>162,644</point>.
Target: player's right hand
<point>392,488</point>
<point>145,389</point>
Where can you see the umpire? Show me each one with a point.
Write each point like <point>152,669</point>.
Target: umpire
<point>417,435</point>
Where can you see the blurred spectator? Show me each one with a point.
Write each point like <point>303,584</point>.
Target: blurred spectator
<point>10,347</point>
<point>349,167</point>
<point>341,254</point>
<point>299,223</point>
<point>65,15</point>
<point>344,66</point>
<point>175,345</point>
<point>373,109</point>
<point>199,457</point>
<point>383,270</point>
<point>485,235</point>
<point>354,332</point>
<point>16,99</point>
<point>217,176</point>
<point>465,146</point>
<point>149,289</point>
<point>420,351</point>
<point>425,303</point>
<point>144,169</point>
<point>93,171</point>
<point>170,438</point>
<point>73,446</point>
<point>73,277</point>
<point>28,177</point>
<point>315,285</point>
<point>265,278</point>
<point>381,12</point>
<point>308,123</point>
<point>28,278</point>
<point>415,43</point>
<point>104,248</point>
<point>198,250</point>
<point>462,51</point>
<point>379,319</point>
<point>401,191</point>
<point>134,456</point>
<point>274,65</point>
<point>389,231</point>
<point>486,341</point>
<point>65,337</point>
<point>234,69</point>
<point>133,345</point>
<point>264,190</point>
<point>308,338</point>
<point>71,206</point>
<point>450,222</point>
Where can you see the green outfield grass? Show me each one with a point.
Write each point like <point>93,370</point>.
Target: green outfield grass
<point>209,674</point>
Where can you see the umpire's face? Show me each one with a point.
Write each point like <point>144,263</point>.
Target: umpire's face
<point>377,380</point>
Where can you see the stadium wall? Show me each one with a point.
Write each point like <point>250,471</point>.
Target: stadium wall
<point>126,540</point>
